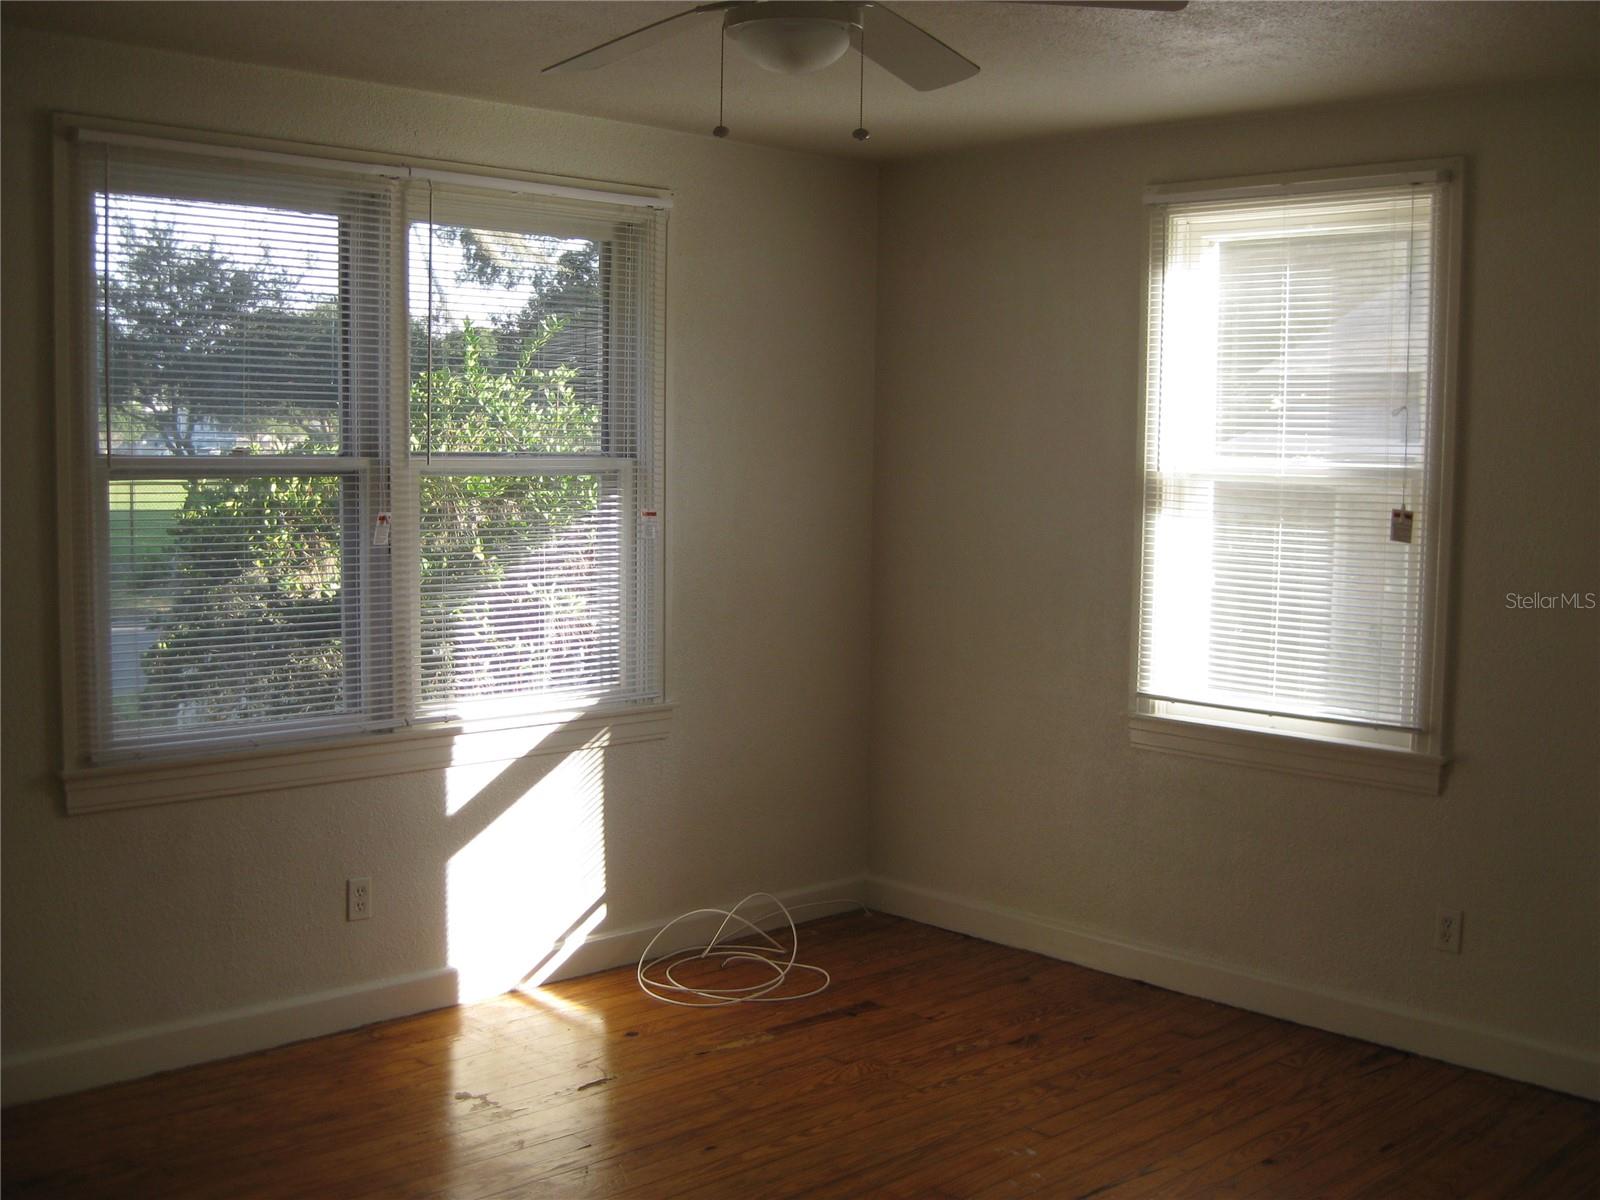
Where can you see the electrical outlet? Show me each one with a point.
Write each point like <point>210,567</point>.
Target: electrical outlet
<point>1447,931</point>
<point>357,899</point>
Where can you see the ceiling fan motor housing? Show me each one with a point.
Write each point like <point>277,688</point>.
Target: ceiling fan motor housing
<point>793,39</point>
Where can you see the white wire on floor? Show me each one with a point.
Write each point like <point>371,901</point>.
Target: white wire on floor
<point>657,975</point>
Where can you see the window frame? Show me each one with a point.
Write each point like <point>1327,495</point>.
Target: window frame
<point>240,767</point>
<point>1284,743</point>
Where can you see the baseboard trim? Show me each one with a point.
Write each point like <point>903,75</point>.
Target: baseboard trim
<point>59,1070</point>
<point>1563,1068</point>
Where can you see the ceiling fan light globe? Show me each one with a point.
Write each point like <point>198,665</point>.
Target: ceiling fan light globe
<point>791,45</point>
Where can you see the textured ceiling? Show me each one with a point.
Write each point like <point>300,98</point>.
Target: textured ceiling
<point>1044,69</point>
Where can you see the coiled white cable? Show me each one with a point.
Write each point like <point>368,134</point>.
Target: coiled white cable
<point>772,955</point>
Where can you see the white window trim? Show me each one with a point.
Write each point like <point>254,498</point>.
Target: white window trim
<point>416,748</point>
<point>1422,767</point>
<point>420,747</point>
<point>1402,770</point>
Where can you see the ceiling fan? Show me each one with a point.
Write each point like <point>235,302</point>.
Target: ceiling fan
<point>795,38</point>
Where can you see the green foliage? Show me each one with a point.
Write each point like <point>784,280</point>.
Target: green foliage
<point>255,587</point>
<point>475,527</point>
<point>204,347</point>
<point>473,521</point>
<point>571,285</point>
<point>246,585</point>
<point>480,404</point>
<point>140,527</point>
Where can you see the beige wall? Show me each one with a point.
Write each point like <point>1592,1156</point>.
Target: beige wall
<point>120,920</point>
<point>1006,526</point>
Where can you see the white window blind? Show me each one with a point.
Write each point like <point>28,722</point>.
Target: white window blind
<point>356,451</point>
<point>1289,414</point>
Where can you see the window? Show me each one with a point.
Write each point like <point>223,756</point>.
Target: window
<point>355,448</point>
<point>1295,403</point>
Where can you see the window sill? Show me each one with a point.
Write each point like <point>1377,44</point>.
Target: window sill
<point>1399,770</point>
<point>425,748</point>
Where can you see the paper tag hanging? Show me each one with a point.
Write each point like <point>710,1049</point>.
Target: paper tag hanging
<point>649,522</point>
<point>1400,520</point>
<point>380,530</point>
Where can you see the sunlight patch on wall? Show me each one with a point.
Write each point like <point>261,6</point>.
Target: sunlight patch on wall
<point>530,884</point>
<point>486,753</point>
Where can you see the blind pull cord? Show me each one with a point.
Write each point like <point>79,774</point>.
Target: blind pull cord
<point>721,130</point>
<point>1402,518</point>
<point>105,297</point>
<point>860,132</point>
<point>428,419</point>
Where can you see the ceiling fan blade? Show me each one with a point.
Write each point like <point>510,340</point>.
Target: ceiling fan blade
<point>912,53</point>
<point>1145,5</point>
<point>620,47</point>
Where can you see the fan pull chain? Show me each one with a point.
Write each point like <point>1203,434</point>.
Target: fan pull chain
<point>860,133</point>
<point>721,130</point>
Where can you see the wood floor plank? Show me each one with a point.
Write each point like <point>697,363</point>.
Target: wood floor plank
<point>1572,1170</point>
<point>1208,1168</point>
<point>1399,1135</point>
<point>1332,1128</point>
<point>879,1134</point>
<point>921,1146</point>
<point>1016,1096</point>
<point>1286,1088</point>
<point>936,1067</point>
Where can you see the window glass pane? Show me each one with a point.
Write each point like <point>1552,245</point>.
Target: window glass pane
<point>522,587</point>
<point>1271,553</point>
<point>508,342</point>
<point>220,327</point>
<point>1321,343</point>
<point>225,605</point>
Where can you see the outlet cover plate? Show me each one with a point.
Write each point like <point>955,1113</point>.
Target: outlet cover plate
<point>357,899</point>
<point>1447,931</point>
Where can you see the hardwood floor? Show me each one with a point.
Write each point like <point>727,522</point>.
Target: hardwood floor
<point>936,1066</point>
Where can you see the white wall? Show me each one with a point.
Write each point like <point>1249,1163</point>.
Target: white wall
<point>1006,530</point>
<point>119,921</point>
